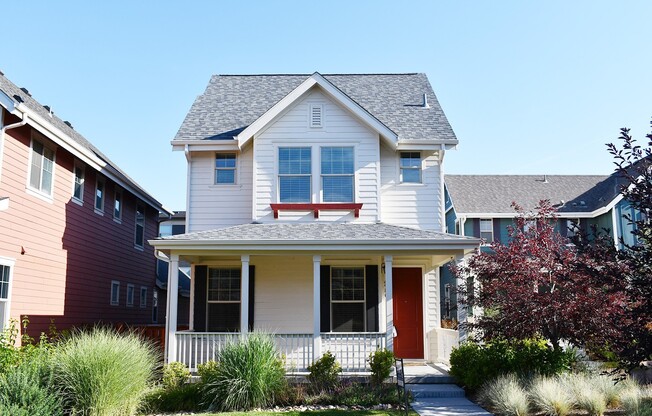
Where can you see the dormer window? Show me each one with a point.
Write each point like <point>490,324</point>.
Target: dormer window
<point>294,174</point>
<point>410,167</point>
<point>225,168</point>
<point>316,115</point>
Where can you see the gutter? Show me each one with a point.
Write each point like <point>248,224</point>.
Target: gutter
<point>4,201</point>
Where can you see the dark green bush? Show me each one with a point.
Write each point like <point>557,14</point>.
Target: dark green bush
<point>250,374</point>
<point>381,363</point>
<point>324,373</point>
<point>183,398</point>
<point>27,390</point>
<point>207,371</point>
<point>473,364</point>
<point>175,374</point>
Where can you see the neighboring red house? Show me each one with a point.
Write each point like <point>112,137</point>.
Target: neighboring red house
<point>73,246</point>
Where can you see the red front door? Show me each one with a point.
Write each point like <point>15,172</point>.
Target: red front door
<point>408,312</point>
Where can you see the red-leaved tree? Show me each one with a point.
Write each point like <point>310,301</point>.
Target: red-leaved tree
<point>538,284</point>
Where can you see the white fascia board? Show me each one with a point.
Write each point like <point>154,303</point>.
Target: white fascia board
<point>204,145</point>
<point>425,144</point>
<point>565,214</point>
<point>7,102</point>
<point>46,128</point>
<point>333,92</point>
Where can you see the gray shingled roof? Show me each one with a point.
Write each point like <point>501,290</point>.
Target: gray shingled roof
<point>19,95</point>
<point>232,102</point>
<point>318,232</point>
<point>495,193</point>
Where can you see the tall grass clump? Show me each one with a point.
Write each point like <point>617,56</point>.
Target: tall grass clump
<point>636,400</point>
<point>588,396</point>
<point>250,374</point>
<point>551,396</point>
<point>103,373</point>
<point>27,390</point>
<point>505,396</point>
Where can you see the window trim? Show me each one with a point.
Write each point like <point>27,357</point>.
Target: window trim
<point>234,169</point>
<point>112,301</point>
<point>78,165</point>
<point>363,302</point>
<point>322,175</point>
<point>48,196</point>
<point>491,229</point>
<point>10,263</point>
<point>144,210</point>
<point>279,175</point>
<point>118,191</point>
<point>208,301</point>
<point>130,301</point>
<point>99,179</point>
<point>419,168</point>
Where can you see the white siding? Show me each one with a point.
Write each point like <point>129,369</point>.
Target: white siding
<point>412,205</point>
<point>216,206</point>
<point>431,310</point>
<point>340,128</point>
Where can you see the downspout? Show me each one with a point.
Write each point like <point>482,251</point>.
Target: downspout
<point>462,221</point>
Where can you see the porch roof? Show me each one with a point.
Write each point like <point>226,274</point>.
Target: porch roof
<point>334,236</point>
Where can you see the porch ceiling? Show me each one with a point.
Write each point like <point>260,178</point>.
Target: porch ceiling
<point>318,238</point>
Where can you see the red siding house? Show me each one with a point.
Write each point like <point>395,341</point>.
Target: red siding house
<point>73,246</point>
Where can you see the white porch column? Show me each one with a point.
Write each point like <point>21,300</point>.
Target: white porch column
<point>171,319</point>
<point>244,296</point>
<point>462,312</point>
<point>389,301</point>
<point>316,307</point>
<point>191,313</point>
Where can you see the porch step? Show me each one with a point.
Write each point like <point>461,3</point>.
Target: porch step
<point>429,379</point>
<point>421,391</point>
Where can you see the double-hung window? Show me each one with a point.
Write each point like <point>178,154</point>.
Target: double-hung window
<point>572,227</point>
<point>139,240</point>
<point>223,302</point>
<point>78,184</point>
<point>42,168</point>
<point>410,167</point>
<point>117,205</point>
<point>143,297</point>
<point>99,194</point>
<point>115,293</point>
<point>294,174</point>
<point>337,174</point>
<point>225,168</point>
<point>130,294</point>
<point>5,274</point>
<point>487,229</point>
<point>348,299</point>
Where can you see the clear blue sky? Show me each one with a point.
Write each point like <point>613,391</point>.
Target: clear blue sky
<point>529,87</point>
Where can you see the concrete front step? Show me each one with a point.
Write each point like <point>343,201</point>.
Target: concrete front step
<point>448,407</point>
<point>429,379</point>
<point>421,391</point>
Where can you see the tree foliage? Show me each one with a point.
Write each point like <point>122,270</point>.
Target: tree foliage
<point>537,284</point>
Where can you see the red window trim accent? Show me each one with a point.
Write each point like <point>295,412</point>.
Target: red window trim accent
<point>315,208</point>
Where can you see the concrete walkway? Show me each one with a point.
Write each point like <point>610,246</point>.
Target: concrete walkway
<point>435,393</point>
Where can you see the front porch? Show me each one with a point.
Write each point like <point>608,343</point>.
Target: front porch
<point>349,290</point>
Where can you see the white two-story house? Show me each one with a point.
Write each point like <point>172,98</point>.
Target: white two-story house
<point>315,212</point>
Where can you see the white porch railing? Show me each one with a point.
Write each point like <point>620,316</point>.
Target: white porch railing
<point>350,349</point>
<point>446,340</point>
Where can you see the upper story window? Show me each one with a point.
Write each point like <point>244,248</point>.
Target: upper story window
<point>487,229</point>
<point>225,168</point>
<point>78,183</point>
<point>139,240</point>
<point>117,205</point>
<point>337,174</point>
<point>410,167</point>
<point>99,194</point>
<point>42,168</point>
<point>294,174</point>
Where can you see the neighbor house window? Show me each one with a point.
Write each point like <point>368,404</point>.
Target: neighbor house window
<point>117,205</point>
<point>348,299</point>
<point>155,306</point>
<point>140,226</point>
<point>99,194</point>
<point>337,174</point>
<point>42,168</point>
<point>410,167</point>
<point>225,168</point>
<point>143,297</point>
<point>572,226</point>
<point>294,171</point>
<point>223,300</point>
<point>115,292</point>
<point>487,230</point>
<point>130,295</point>
<point>78,184</point>
<point>5,276</point>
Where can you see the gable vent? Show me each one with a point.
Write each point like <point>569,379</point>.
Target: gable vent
<point>316,115</point>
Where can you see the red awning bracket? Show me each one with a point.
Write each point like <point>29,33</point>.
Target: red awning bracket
<point>315,208</point>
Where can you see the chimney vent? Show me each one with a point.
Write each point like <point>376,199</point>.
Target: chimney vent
<point>425,101</point>
<point>26,91</point>
<point>67,123</point>
<point>545,178</point>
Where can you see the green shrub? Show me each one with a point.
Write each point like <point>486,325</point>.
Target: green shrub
<point>505,396</point>
<point>551,396</point>
<point>175,374</point>
<point>474,364</point>
<point>102,372</point>
<point>324,373</point>
<point>183,398</point>
<point>250,374</point>
<point>207,371</point>
<point>27,390</point>
<point>381,363</point>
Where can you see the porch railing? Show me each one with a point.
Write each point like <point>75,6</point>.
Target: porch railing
<point>350,349</point>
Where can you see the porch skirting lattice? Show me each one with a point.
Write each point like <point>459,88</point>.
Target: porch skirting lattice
<point>350,349</point>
